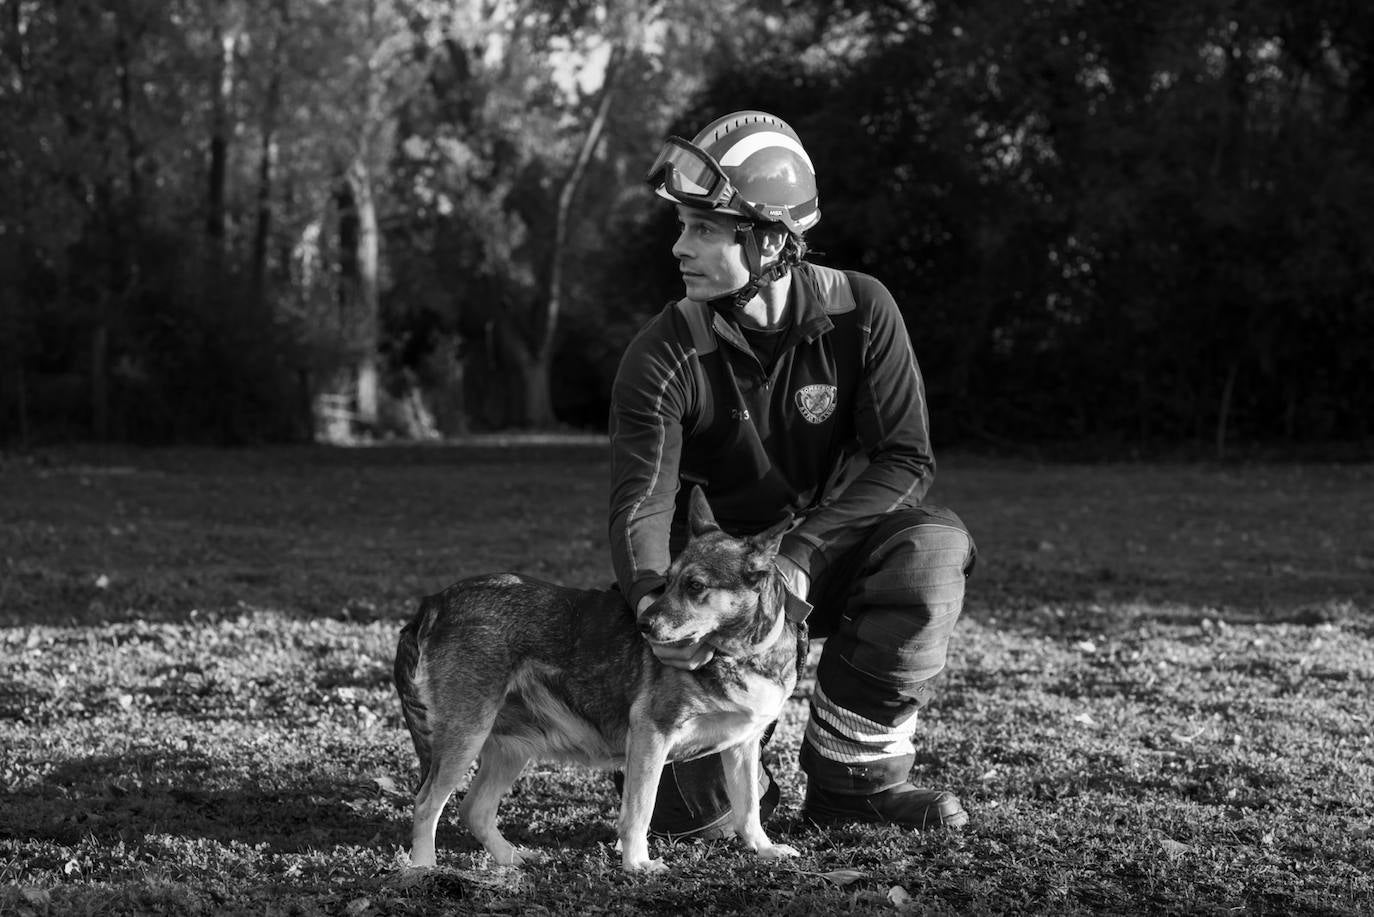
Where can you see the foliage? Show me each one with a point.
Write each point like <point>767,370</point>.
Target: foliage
<point>1155,703</point>
<point>1103,220</point>
<point>1134,222</point>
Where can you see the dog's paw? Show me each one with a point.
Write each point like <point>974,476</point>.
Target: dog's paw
<point>777,852</point>
<point>416,860</point>
<point>510,855</point>
<point>648,866</point>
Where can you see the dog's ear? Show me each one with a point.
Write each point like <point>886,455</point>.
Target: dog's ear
<point>769,540</point>
<point>700,519</point>
<point>763,547</point>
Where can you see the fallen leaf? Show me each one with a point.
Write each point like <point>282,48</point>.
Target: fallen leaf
<point>359,905</point>
<point>842,877</point>
<point>388,785</point>
<point>1086,719</point>
<point>899,896</point>
<point>1086,646</point>
<point>1173,848</point>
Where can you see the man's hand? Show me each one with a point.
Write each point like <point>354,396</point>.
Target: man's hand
<point>687,656</point>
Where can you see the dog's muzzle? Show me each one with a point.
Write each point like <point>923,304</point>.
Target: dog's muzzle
<point>647,630</point>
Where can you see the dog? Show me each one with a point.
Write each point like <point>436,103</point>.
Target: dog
<point>507,669</point>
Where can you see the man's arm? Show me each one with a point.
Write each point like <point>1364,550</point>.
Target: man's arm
<point>652,390</point>
<point>893,426</point>
<point>648,402</point>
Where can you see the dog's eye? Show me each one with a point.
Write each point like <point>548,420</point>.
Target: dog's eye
<point>696,586</point>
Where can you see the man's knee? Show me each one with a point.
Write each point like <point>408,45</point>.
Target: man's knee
<point>918,557</point>
<point>901,614</point>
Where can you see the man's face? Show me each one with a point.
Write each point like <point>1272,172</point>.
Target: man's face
<point>711,261</point>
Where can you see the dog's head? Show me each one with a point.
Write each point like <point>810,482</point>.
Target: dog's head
<point>721,589</point>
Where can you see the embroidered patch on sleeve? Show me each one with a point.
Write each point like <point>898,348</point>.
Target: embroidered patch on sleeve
<point>816,402</point>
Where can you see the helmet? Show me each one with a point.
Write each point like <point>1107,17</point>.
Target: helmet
<point>748,163</point>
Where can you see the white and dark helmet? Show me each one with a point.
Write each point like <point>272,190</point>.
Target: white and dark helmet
<point>750,164</point>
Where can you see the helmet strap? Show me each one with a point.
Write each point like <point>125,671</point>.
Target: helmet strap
<point>753,259</point>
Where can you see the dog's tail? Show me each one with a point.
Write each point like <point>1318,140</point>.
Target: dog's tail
<point>409,674</point>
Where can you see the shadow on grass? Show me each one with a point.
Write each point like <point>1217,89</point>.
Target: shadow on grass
<point>114,799</point>
<point>125,798</point>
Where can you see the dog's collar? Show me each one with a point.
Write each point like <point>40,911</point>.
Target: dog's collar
<point>779,621</point>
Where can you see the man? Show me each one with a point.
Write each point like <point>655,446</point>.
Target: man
<point>784,388</point>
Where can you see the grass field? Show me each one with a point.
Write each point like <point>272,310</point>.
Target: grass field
<point>1158,700</point>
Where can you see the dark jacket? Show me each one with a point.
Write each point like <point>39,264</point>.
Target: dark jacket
<point>836,433</point>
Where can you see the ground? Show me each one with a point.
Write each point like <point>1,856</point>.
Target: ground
<point>1157,700</point>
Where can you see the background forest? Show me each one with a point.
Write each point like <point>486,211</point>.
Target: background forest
<point>1131,223</point>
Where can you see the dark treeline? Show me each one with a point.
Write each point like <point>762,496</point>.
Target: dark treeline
<point>1133,222</point>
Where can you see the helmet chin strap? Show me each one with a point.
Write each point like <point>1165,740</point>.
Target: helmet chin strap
<point>759,276</point>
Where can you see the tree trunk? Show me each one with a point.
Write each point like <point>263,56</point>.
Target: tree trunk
<point>262,231</point>
<point>267,160</point>
<point>553,295</point>
<point>529,401</point>
<point>368,315</point>
<point>215,218</point>
<point>359,299</point>
<point>538,400</point>
<point>535,361</point>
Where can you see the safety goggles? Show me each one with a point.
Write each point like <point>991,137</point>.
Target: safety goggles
<point>689,174</point>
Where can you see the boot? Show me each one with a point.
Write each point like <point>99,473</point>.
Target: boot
<point>874,793</point>
<point>904,805</point>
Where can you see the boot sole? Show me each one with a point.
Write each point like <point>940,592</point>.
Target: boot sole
<point>828,819</point>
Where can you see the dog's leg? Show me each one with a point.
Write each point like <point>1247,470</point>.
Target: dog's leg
<point>447,771</point>
<point>742,771</point>
<point>499,763</point>
<point>452,755</point>
<point>646,751</point>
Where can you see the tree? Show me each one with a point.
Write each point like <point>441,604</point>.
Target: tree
<point>522,116</point>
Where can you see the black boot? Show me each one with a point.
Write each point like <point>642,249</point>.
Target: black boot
<point>904,805</point>
<point>876,793</point>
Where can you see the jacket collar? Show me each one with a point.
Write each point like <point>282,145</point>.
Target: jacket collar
<point>816,294</point>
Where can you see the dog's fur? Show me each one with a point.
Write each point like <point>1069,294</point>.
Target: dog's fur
<point>511,669</point>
